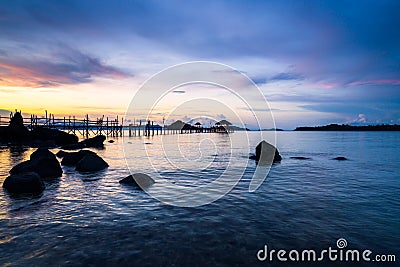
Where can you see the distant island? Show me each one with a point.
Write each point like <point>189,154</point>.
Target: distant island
<point>272,129</point>
<point>179,125</point>
<point>347,127</point>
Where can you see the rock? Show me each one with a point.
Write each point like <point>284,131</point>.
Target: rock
<point>61,154</point>
<point>95,142</point>
<point>16,132</point>
<point>340,158</point>
<point>3,135</point>
<point>266,154</point>
<point>42,162</point>
<point>60,138</point>
<point>76,146</point>
<point>41,153</point>
<point>91,163</point>
<point>300,158</point>
<point>43,144</point>
<point>140,180</point>
<point>111,141</point>
<point>72,158</point>
<point>28,182</point>
<point>17,120</point>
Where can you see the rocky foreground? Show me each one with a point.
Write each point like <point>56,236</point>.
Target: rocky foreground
<point>29,176</point>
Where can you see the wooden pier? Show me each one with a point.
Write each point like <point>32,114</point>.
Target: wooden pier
<point>110,126</point>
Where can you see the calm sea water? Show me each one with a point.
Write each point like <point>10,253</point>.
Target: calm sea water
<point>303,204</point>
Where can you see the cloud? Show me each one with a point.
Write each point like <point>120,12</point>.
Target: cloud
<point>282,76</point>
<point>4,113</point>
<point>65,66</point>
<point>376,82</point>
<point>221,116</point>
<point>361,118</point>
<point>259,80</point>
<point>287,76</point>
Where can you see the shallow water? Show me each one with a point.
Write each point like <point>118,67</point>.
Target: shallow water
<point>90,219</point>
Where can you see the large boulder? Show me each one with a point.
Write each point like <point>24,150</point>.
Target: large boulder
<point>94,142</point>
<point>91,163</point>
<point>72,158</point>
<point>59,138</point>
<point>139,180</point>
<point>41,153</point>
<point>266,154</point>
<point>42,162</point>
<point>28,182</point>
<point>16,132</point>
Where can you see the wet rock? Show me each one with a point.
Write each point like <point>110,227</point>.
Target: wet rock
<point>266,154</point>
<point>300,158</point>
<point>139,180</point>
<point>42,162</point>
<point>60,138</point>
<point>94,142</point>
<point>41,153</point>
<point>61,154</point>
<point>28,182</point>
<point>91,163</point>
<point>340,158</point>
<point>72,158</point>
<point>3,135</point>
<point>111,141</point>
<point>43,144</point>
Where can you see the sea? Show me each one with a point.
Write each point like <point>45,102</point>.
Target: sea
<point>302,204</point>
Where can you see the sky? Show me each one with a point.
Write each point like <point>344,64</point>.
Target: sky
<point>316,62</point>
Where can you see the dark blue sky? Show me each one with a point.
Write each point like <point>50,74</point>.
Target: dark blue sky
<point>316,62</point>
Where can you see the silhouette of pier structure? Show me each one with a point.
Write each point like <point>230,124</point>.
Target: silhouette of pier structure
<point>114,126</point>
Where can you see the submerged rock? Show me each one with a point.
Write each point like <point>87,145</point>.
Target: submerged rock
<point>266,154</point>
<point>340,158</point>
<point>140,180</point>
<point>91,163</point>
<point>72,158</point>
<point>43,162</point>
<point>111,141</point>
<point>28,182</point>
<point>300,158</point>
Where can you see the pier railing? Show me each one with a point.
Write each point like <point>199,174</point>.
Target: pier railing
<point>106,126</point>
<point>72,124</point>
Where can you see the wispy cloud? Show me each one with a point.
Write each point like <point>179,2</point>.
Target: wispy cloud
<point>376,82</point>
<point>287,76</point>
<point>65,66</point>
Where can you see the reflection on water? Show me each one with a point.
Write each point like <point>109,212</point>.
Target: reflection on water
<point>93,220</point>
